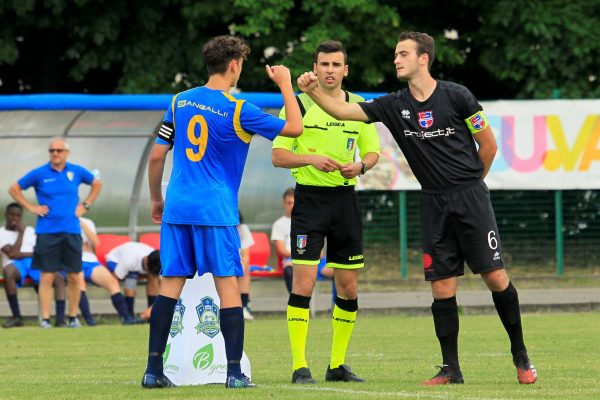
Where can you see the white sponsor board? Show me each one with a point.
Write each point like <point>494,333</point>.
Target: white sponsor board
<point>542,144</point>
<point>195,353</point>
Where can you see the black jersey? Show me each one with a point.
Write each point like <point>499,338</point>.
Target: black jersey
<point>433,134</point>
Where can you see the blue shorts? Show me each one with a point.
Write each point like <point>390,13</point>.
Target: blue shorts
<point>185,249</point>
<point>88,268</point>
<point>322,264</point>
<point>25,270</point>
<point>111,265</point>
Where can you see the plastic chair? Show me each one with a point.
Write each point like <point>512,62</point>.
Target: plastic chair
<point>107,243</point>
<point>260,252</point>
<point>151,239</point>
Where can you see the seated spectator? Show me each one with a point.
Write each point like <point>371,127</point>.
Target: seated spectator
<point>16,245</point>
<point>94,272</point>
<point>130,259</point>
<point>246,241</point>
<point>280,236</point>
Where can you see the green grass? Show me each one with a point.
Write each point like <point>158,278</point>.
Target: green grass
<point>394,353</point>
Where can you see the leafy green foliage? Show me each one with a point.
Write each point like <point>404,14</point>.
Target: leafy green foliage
<point>507,49</point>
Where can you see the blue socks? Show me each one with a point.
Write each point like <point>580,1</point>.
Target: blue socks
<point>60,311</point>
<point>84,307</point>
<point>232,328</point>
<point>118,301</point>
<point>160,324</point>
<point>13,302</point>
<point>130,301</point>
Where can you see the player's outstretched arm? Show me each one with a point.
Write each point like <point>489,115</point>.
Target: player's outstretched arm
<point>340,110</point>
<point>282,77</point>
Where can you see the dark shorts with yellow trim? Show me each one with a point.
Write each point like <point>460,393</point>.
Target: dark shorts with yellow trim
<point>459,225</point>
<point>327,212</point>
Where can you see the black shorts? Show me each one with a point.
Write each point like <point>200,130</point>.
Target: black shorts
<point>458,226</point>
<point>327,212</point>
<point>57,252</point>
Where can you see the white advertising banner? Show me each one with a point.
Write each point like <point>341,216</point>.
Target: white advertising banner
<point>195,352</point>
<point>542,144</point>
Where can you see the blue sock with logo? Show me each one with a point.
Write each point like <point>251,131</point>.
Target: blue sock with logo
<point>160,324</point>
<point>232,328</point>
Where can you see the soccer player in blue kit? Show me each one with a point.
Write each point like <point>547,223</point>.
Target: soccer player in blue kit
<point>209,131</point>
<point>437,125</point>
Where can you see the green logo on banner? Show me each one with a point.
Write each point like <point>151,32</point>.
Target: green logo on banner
<point>166,353</point>
<point>204,357</point>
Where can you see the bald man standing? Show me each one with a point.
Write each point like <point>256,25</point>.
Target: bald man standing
<point>58,245</point>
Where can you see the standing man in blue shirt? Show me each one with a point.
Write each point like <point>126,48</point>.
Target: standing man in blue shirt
<point>58,245</point>
<point>209,131</point>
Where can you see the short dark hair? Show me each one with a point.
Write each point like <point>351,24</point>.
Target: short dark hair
<point>288,192</point>
<point>331,46</point>
<point>425,44</point>
<point>154,265</point>
<point>14,205</point>
<point>220,50</point>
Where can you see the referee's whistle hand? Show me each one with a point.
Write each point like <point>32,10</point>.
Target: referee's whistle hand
<point>325,164</point>
<point>350,170</point>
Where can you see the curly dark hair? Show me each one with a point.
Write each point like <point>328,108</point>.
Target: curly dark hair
<point>220,50</point>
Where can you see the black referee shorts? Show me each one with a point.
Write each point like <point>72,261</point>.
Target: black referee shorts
<point>458,226</point>
<point>327,212</point>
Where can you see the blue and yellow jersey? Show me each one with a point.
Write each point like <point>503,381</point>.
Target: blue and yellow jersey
<point>326,136</point>
<point>210,132</point>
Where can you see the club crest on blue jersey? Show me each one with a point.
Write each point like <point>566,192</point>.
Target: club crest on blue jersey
<point>70,175</point>
<point>177,323</point>
<point>301,241</point>
<point>350,144</point>
<point>477,121</point>
<point>425,119</point>
<point>208,315</point>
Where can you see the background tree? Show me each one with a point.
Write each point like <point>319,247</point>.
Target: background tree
<point>507,49</point>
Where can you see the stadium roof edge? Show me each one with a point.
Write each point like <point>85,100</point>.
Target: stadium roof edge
<point>122,102</point>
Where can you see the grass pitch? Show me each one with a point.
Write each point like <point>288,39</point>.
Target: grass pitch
<point>393,352</point>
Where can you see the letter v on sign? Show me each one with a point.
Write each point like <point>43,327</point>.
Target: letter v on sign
<point>563,155</point>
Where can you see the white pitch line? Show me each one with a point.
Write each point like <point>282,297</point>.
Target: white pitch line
<point>372,394</point>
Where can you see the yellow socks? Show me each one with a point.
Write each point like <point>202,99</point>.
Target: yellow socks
<point>298,315</point>
<point>343,324</point>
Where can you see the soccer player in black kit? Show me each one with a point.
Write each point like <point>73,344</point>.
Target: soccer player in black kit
<point>437,124</point>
